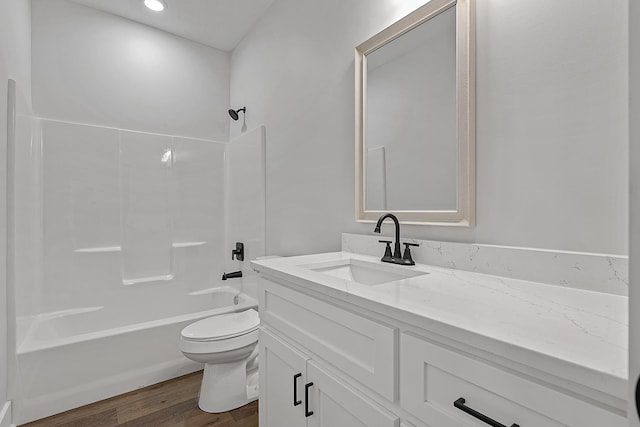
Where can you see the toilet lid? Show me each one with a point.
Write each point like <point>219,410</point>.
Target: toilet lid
<point>223,326</point>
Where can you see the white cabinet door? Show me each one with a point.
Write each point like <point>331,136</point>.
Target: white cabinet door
<point>282,380</point>
<point>334,404</point>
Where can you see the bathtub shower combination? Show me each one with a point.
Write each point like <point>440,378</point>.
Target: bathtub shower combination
<point>123,243</point>
<point>78,356</point>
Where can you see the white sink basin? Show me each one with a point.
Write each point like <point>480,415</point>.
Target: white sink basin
<point>365,273</point>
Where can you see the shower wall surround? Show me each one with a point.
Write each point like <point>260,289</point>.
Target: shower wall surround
<point>245,201</point>
<point>588,271</point>
<point>119,210</point>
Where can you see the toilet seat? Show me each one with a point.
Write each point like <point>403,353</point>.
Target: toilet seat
<point>226,332</point>
<point>222,327</point>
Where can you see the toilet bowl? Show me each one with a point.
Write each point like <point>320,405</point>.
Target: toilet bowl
<point>228,346</point>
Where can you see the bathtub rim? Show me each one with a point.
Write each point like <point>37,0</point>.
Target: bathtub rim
<point>25,347</point>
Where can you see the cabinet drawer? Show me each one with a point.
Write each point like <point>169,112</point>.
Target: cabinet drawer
<point>358,346</point>
<point>432,378</point>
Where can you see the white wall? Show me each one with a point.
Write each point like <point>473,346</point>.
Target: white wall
<point>551,121</point>
<point>15,63</point>
<point>634,250</point>
<point>96,68</point>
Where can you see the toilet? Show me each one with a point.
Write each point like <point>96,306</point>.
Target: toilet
<point>228,346</point>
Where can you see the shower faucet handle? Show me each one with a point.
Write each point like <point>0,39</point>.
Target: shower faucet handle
<point>238,252</point>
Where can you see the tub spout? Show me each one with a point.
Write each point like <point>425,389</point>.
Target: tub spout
<point>232,275</point>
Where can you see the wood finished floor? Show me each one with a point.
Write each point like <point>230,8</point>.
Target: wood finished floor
<point>172,403</point>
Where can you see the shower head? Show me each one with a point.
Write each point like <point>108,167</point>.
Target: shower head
<point>234,113</point>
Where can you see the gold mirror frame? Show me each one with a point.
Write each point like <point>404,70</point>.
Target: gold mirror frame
<point>464,215</point>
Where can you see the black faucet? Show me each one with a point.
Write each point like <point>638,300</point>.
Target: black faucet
<point>232,275</point>
<point>395,258</point>
<point>396,250</point>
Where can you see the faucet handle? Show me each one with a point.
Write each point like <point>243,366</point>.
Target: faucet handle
<point>387,250</point>
<point>238,252</point>
<point>407,252</point>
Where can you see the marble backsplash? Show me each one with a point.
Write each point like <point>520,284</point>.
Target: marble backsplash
<point>588,271</point>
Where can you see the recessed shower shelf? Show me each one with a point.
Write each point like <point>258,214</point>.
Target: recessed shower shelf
<point>162,278</point>
<point>187,244</point>
<point>103,249</point>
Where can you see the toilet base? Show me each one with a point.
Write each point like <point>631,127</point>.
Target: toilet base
<point>227,386</point>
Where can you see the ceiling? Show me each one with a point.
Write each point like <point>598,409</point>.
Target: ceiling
<point>216,23</point>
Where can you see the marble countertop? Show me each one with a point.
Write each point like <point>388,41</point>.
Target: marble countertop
<point>577,335</point>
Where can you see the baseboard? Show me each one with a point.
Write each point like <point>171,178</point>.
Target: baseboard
<point>5,415</point>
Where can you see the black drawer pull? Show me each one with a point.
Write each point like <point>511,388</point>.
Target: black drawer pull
<point>460,405</point>
<point>307,412</point>
<point>296,402</point>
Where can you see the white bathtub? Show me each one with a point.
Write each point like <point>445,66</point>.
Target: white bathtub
<point>74,357</point>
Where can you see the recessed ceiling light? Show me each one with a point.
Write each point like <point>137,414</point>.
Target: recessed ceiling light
<point>156,5</point>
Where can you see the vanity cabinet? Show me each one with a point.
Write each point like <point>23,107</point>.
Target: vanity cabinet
<point>330,362</point>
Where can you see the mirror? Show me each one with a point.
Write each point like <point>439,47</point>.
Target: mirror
<point>415,118</point>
